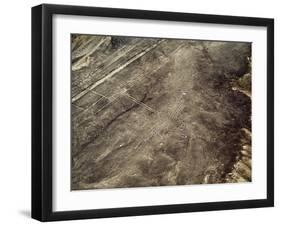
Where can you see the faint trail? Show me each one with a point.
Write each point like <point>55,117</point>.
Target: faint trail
<point>98,94</point>
<point>130,83</point>
<point>78,106</point>
<point>107,151</point>
<point>79,63</point>
<point>104,106</point>
<point>81,50</point>
<point>113,58</point>
<point>125,89</point>
<point>139,103</point>
<point>78,96</point>
<point>153,131</point>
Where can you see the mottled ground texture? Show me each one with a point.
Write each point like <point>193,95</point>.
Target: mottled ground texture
<point>153,112</point>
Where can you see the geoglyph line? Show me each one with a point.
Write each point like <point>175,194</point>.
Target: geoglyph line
<point>76,66</point>
<point>78,96</point>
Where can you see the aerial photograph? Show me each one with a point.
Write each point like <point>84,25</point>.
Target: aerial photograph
<point>151,111</point>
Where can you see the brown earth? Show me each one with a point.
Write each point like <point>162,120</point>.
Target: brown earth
<point>152,112</point>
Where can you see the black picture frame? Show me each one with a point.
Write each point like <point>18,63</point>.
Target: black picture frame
<point>42,107</point>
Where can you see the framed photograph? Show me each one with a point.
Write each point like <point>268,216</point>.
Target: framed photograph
<point>146,112</point>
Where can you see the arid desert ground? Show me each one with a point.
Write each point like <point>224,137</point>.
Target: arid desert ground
<point>155,112</point>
